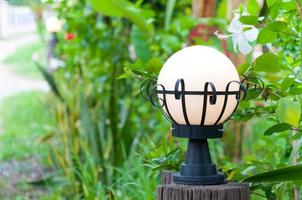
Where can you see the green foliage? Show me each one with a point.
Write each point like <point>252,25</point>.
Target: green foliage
<point>278,26</point>
<point>139,40</point>
<point>270,3</point>
<point>253,7</point>
<point>266,36</point>
<point>222,9</point>
<point>267,63</point>
<point>170,161</point>
<point>105,130</point>
<point>278,128</point>
<point>102,122</point>
<point>169,12</point>
<point>292,173</point>
<point>249,20</point>
<point>289,111</point>
<point>279,102</point>
<point>122,8</point>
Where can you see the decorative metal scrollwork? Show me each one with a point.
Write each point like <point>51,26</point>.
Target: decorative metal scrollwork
<point>157,95</point>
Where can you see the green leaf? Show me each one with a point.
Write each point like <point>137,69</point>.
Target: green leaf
<point>289,5</point>
<point>242,69</point>
<point>108,7</point>
<point>122,8</point>
<point>40,180</point>
<point>274,10</point>
<point>140,42</point>
<point>295,91</point>
<point>297,135</point>
<point>253,7</point>
<point>250,20</point>
<point>222,9</point>
<point>49,78</point>
<point>170,161</point>
<point>252,94</point>
<point>277,26</point>
<point>292,173</point>
<point>286,83</point>
<point>289,111</point>
<point>270,3</point>
<point>169,12</point>
<point>266,36</point>
<point>277,128</point>
<point>267,62</point>
<point>143,74</point>
<point>47,137</point>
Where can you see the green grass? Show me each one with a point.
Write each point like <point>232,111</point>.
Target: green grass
<point>25,118</point>
<point>21,60</point>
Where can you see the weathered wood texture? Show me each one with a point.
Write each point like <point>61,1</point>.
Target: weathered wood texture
<point>203,8</point>
<point>165,177</point>
<point>229,191</point>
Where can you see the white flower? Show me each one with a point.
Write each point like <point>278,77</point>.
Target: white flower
<point>35,57</point>
<point>54,64</point>
<point>242,35</point>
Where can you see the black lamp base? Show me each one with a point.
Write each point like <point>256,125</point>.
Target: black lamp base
<point>198,168</point>
<point>216,179</point>
<point>199,174</point>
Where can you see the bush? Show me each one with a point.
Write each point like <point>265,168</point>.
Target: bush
<point>103,123</point>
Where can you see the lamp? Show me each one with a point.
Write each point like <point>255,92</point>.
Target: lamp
<point>53,25</point>
<point>198,89</point>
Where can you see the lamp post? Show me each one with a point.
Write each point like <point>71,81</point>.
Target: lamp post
<point>198,89</point>
<point>53,26</point>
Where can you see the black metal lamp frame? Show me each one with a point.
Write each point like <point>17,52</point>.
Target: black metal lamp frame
<point>198,168</point>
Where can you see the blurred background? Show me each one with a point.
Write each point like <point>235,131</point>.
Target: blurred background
<point>73,124</point>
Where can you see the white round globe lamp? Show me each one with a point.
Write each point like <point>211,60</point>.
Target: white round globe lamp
<point>198,65</point>
<point>53,25</point>
<point>198,89</point>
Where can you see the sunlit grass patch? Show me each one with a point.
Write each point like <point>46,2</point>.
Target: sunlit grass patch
<point>25,118</point>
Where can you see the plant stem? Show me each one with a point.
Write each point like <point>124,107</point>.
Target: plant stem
<point>113,113</point>
<point>299,7</point>
<point>294,160</point>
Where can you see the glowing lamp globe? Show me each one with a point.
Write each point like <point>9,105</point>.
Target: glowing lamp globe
<point>198,89</point>
<point>53,25</point>
<point>197,65</point>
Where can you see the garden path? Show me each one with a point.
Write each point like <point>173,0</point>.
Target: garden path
<point>11,83</point>
<point>13,172</point>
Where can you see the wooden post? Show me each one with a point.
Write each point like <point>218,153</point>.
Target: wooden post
<point>203,8</point>
<point>229,191</point>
